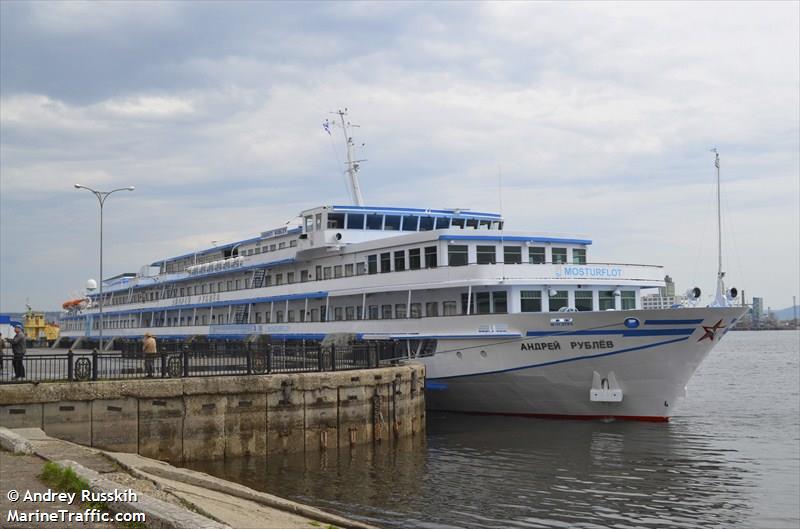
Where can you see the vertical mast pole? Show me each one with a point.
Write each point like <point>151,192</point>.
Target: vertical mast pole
<point>352,165</point>
<point>719,220</point>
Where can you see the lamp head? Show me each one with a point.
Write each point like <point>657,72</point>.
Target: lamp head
<point>130,188</point>
<point>78,186</point>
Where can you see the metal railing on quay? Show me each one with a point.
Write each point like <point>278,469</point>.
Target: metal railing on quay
<point>194,360</point>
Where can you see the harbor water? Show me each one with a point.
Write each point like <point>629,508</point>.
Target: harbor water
<point>729,458</point>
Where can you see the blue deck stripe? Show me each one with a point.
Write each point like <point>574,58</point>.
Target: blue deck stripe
<point>574,359</point>
<point>673,322</point>
<point>621,332</point>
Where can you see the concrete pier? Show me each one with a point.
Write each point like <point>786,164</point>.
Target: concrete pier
<point>186,419</point>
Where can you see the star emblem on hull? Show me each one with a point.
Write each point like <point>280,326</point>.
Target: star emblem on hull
<point>711,331</point>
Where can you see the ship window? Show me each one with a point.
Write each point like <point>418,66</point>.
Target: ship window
<point>559,255</point>
<point>410,223</point>
<point>309,223</point>
<point>355,221</point>
<point>449,308</point>
<point>485,225</point>
<point>350,313</point>
<point>290,277</point>
<point>497,225</point>
<point>432,309</point>
<point>373,312</point>
<point>269,281</point>
<point>442,223</point>
<point>606,299</point>
<point>372,264</point>
<point>512,254</point>
<point>323,313</point>
<point>386,262</point>
<point>386,312</point>
<point>278,279</point>
<point>628,299</point>
<point>302,315</point>
<point>279,316</point>
<point>293,243</point>
<point>258,317</point>
<point>303,276</point>
<point>361,269</point>
<point>414,262</point>
<point>457,255</point>
<point>326,272</point>
<point>313,315</point>
<point>483,303</point>
<point>579,255</point>
<point>338,314</point>
<point>281,245</point>
<point>487,255</point>
<point>318,272</point>
<point>500,302</point>
<point>348,270</point>
<point>335,221</point>
<point>430,257</point>
<point>337,271</point>
<point>472,223</point>
<point>458,223</point>
<point>536,255</point>
<point>290,316</point>
<point>583,300</point>
<point>426,223</point>
<point>558,301</point>
<point>399,261</point>
<point>374,221</point>
<point>392,223</point>
<point>400,311</point>
<point>318,221</point>
<point>272,247</point>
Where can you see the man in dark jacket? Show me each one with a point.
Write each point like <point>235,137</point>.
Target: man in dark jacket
<point>18,348</point>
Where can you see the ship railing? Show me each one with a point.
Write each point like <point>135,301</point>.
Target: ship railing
<point>200,360</point>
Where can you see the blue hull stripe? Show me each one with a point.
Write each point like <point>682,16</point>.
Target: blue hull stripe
<point>564,361</point>
<point>621,332</point>
<point>673,322</point>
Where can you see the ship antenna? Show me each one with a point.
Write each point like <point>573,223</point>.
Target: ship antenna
<point>352,165</point>
<point>720,297</point>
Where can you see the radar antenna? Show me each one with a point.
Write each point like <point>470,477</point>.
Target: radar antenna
<point>352,164</point>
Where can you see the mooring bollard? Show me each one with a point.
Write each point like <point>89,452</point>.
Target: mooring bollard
<point>70,367</point>
<point>95,361</point>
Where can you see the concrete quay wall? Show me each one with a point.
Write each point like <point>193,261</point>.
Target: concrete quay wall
<point>189,419</point>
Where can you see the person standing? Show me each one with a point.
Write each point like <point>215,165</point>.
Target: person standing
<point>150,352</point>
<point>18,349</point>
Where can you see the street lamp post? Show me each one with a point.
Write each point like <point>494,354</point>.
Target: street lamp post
<point>101,198</point>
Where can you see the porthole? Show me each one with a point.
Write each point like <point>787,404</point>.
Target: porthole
<point>458,354</point>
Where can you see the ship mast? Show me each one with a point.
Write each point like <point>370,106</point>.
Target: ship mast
<point>720,298</point>
<point>720,273</point>
<point>352,165</point>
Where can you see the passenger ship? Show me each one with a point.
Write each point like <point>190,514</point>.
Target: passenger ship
<point>506,322</point>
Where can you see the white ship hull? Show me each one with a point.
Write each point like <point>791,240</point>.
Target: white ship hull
<point>551,371</point>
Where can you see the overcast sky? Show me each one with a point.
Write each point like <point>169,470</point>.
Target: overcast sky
<point>598,116</point>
